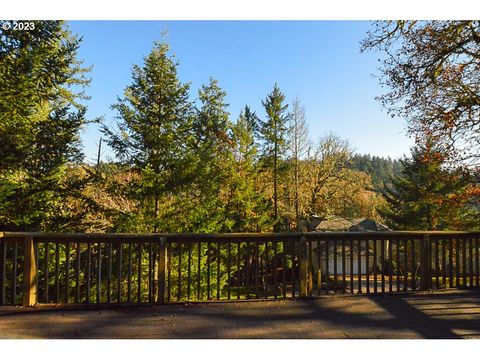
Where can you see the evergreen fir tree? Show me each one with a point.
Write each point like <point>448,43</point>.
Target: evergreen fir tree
<point>154,130</point>
<point>40,120</point>
<point>273,133</point>
<point>246,204</point>
<point>214,158</point>
<point>429,196</point>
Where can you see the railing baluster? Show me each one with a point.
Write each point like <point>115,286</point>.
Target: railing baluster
<point>444,264</point>
<point>119,275</point>
<point>382,263</point>
<point>160,267</point>
<point>238,269</point>
<point>477,258</point>
<point>450,262</point>
<point>67,271</point>
<point>405,258</point>
<point>77,275</point>
<point>139,272</point>
<point>457,262</point>
<point>335,264</point>
<point>208,270</point>
<point>14,278</point>
<point>3,270</point>
<point>375,266</point>
<point>294,259</point>
<point>229,266</point>
<point>169,271</point>
<point>359,265</point>
<point>437,263</point>
<point>46,274</point>
<point>260,267</point>
<point>189,270</point>
<point>351,267</point>
<point>37,262</point>
<point>464,262</point>
<point>275,285</point>
<point>247,270</point>
<point>413,264</point>
<point>199,259</point>
<point>159,262</point>
<point>218,269</point>
<point>367,263</point>
<point>470,253</point>
<point>319,270</point>
<point>390,266</point>
<point>89,263</point>
<point>57,272</point>
<point>150,272</point>
<point>99,272</point>
<point>129,273</point>
<point>327,270</point>
<point>265,270</point>
<point>284,269</point>
<point>397,272</point>
<point>109,273</point>
<point>256,267</point>
<point>179,292</point>
<point>344,279</point>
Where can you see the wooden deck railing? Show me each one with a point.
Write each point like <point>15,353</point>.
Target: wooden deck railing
<point>165,268</point>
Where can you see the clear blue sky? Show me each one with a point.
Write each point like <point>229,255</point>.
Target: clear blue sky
<point>317,61</point>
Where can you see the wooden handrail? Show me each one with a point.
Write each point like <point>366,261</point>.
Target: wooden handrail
<point>216,236</point>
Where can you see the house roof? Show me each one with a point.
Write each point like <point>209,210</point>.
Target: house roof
<point>338,223</point>
<point>334,223</point>
<point>368,225</point>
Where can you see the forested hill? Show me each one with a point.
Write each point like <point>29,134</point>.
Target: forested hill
<point>379,168</point>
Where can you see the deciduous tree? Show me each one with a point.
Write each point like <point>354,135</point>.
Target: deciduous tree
<point>431,71</point>
<point>300,145</point>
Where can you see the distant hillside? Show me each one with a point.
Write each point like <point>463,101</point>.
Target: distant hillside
<point>379,168</point>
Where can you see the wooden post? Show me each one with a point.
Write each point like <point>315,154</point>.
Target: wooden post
<point>425,278</point>
<point>162,262</point>
<point>310,281</point>
<point>30,274</point>
<point>303,267</point>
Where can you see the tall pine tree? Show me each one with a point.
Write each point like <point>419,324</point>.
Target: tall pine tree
<point>154,130</point>
<point>214,158</point>
<point>429,196</point>
<point>246,203</point>
<point>273,132</point>
<point>41,115</point>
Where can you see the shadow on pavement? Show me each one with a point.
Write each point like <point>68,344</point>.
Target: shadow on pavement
<point>436,315</point>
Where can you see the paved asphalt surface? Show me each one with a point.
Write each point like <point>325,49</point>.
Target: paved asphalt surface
<point>448,314</point>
